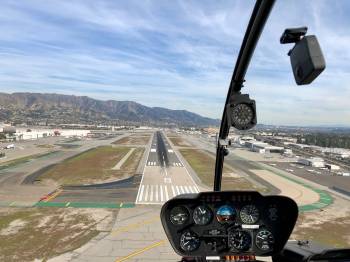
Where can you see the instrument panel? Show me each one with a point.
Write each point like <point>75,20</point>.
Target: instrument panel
<point>228,223</point>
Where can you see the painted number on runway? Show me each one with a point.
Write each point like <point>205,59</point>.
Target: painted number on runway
<point>167,180</point>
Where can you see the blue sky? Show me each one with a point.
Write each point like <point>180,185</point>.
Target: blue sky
<point>175,54</point>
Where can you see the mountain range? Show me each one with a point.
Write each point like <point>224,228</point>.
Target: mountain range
<point>53,109</point>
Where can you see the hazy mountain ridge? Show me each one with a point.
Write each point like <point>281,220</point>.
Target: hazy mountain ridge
<point>33,108</point>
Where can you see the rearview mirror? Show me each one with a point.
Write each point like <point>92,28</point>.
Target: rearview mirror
<point>306,56</point>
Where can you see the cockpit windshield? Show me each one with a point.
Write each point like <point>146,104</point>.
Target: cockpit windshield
<point>111,134</point>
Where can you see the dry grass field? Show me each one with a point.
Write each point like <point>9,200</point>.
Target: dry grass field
<point>94,166</point>
<point>27,234</point>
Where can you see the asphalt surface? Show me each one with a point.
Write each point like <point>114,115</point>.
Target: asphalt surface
<point>166,178</point>
<point>161,153</point>
<point>119,192</point>
<point>322,177</point>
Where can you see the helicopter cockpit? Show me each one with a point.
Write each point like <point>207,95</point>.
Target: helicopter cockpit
<point>240,225</point>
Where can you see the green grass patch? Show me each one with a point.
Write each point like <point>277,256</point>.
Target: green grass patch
<point>204,165</point>
<point>94,166</point>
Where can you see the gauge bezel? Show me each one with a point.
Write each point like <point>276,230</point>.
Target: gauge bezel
<point>246,233</point>
<point>270,244</point>
<point>210,212</point>
<point>194,235</point>
<point>245,222</point>
<point>179,224</point>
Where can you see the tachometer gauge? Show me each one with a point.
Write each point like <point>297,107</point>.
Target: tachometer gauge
<point>189,241</point>
<point>249,214</point>
<point>226,214</point>
<point>202,215</point>
<point>239,240</point>
<point>179,215</point>
<point>264,240</point>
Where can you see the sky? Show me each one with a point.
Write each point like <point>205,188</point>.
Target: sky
<point>175,54</point>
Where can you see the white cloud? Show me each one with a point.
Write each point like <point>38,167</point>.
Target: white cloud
<point>176,54</point>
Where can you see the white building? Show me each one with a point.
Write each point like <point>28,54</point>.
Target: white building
<point>332,167</point>
<point>313,161</point>
<point>261,147</point>
<point>32,134</point>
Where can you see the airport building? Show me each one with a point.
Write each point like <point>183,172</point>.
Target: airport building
<point>332,167</point>
<point>32,134</point>
<point>261,147</point>
<point>313,161</point>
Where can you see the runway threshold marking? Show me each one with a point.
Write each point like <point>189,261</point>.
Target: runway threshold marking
<point>134,225</point>
<point>138,252</point>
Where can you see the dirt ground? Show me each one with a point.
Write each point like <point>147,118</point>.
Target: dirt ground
<point>329,226</point>
<point>94,166</point>
<point>133,140</point>
<point>27,234</point>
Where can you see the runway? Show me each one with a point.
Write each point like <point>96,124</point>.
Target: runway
<point>161,153</point>
<point>164,176</point>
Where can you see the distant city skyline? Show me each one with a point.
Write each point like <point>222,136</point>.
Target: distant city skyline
<point>175,54</point>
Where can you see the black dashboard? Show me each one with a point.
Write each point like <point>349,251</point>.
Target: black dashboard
<point>228,223</point>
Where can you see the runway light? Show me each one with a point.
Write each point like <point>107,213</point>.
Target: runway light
<point>241,112</point>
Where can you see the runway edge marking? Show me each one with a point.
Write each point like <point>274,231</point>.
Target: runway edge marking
<point>144,167</point>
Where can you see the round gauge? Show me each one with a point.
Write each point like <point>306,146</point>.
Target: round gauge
<point>226,214</point>
<point>242,115</point>
<point>264,240</point>
<point>240,240</point>
<point>202,215</point>
<point>189,241</point>
<point>249,214</point>
<point>179,215</point>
